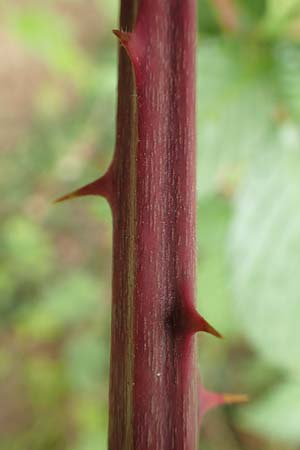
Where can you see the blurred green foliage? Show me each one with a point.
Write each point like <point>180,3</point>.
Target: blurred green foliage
<point>58,64</point>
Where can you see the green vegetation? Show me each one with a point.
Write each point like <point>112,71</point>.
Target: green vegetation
<point>58,92</point>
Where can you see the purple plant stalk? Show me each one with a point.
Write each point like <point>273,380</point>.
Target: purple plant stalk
<point>156,399</point>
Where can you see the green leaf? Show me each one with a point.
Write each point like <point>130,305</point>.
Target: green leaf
<point>287,69</point>
<point>96,440</point>
<point>50,36</point>
<point>214,299</point>
<point>254,8</point>
<point>86,361</point>
<point>45,381</point>
<point>235,111</point>
<point>276,416</point>
<point>278,11</point>
<point>91,416</point>
<point>65,304</point>
<point>265,252</point>
<point>26,250</point>
<point>281,19</point>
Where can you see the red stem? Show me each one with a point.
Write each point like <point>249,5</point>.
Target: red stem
<point>153,391</point>
<point>156,399</point>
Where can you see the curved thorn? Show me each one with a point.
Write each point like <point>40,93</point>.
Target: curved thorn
<point>194,322</point>
<point>200,324</point>
<point>98,187</point>
<point>210,400</point>
<point>123,36</point>
<point>130,43</point>
<point>191,320</point>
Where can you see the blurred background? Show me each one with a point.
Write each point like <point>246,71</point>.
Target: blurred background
<point>57,115</point>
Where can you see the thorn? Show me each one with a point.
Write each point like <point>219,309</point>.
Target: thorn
<point>210,400</point>
<point>130,43</point>
<point>191,320</point>
<point>70,196</point>
<point>123,37</point>
<point>200,324</point>
<point>229,399</point>
<point>100,187</point>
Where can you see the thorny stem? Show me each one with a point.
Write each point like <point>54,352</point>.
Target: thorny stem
<point>156,399</point>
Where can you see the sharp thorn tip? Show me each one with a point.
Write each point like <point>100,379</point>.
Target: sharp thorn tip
<point>235,398</point>
<point>97,187</point>
<point>207,328</point>
<point>65,197</point>
<point>123,36</point>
